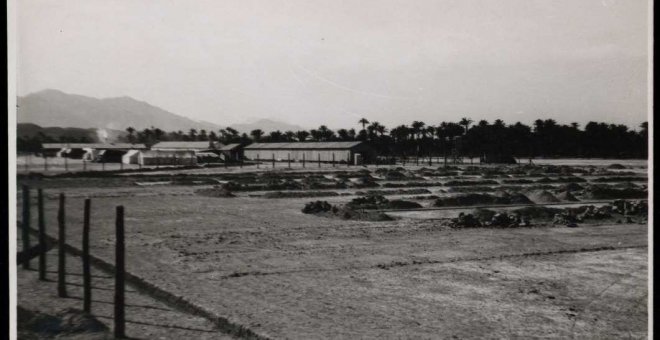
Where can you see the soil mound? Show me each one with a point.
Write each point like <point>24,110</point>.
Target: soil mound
<point>374,202</point>
<point>471,199</point>
<point>543,196</point>
<point>539,212</point>
<point>566,196</point>
<point>471,189</point>
<point>325,209</point>
<point>298,194</point>
<point>364,182</point>
<point>616,166</point>
<point>571,187</point>
<point>475,182</point>
<point>216,191</point>
<point>418,191</point>
<point>608,192</point>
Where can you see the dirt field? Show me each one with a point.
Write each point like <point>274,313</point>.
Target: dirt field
<point>262,263</point>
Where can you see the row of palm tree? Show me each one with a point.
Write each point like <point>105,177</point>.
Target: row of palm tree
<point>543,138</point>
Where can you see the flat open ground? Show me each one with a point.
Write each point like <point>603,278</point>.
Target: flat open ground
<point>263,264</point>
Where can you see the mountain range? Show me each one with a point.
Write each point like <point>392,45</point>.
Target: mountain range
<point>55,108</point>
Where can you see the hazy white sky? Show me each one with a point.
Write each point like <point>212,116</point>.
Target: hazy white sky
<point>331,62</point>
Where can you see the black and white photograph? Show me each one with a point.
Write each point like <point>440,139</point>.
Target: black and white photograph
<point>305,169</point>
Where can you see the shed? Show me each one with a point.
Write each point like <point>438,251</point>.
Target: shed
<point>311,151</point>
<point>232,152</point>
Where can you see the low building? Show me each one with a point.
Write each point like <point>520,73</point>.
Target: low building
<point>232,152</point>
<point>202,146</point>
<point>165,157</point>
<point>106,152</point>
<point>310,151</point>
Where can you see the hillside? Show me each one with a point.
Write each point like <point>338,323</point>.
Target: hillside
<point>29,130</point>
<point>59,109</point>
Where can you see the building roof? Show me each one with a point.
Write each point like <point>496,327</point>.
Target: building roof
<point>106,146</point>
<point>304,145</point>
<point>202,145</point>
<point>230,147</point>
<point>166,153</point>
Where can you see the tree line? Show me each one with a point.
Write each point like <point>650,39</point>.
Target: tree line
<point>545,138</point>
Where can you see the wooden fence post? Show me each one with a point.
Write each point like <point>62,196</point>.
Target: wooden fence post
<point>333,159</point>
<point>273,161</point>
<point>319,159</point>
<point>61,264</point>
<point>258,161</point>
<point>288,160</point>
<point>87,275</point>
<point>303,159</point>
<point>25,225</point>
<point>42,236</point>
<point>119,274</point>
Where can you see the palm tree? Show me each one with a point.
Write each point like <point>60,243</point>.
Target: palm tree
<point>233,132</point>
<point>417,127</point>
<point>364,122</point>
<point>302,135</point>
<point>192,133</point>
<point>316,135</point>
<point>276,136</point>
<point>381,129</point>
<point>465,122</point>
<point>343,134</point>
<point>158,133</point>
<point>256,134</point>
<point>325,134</point>
<point>130,131</point>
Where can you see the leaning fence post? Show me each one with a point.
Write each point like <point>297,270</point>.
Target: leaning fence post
<point>61,264</point>
<point>119,274</point>
<point>87,275</point>
<point>42,236</point>
<point>25,225</point>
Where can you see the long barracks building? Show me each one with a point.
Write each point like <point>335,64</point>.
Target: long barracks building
<point>310,151</point>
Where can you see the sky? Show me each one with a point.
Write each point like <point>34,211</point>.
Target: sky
<point>314,62</point>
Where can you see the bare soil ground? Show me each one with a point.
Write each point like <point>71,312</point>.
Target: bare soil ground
<point>264,264</point>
